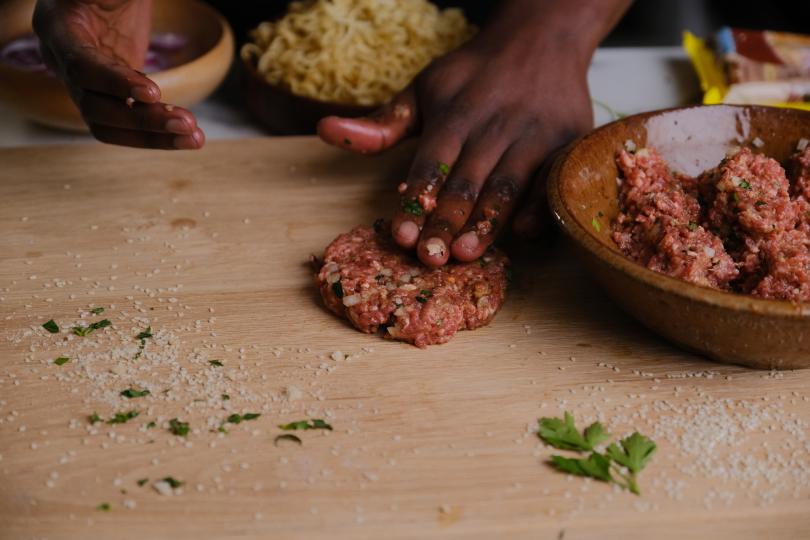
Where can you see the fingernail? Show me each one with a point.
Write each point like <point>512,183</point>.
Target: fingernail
<point>178,125</point>
<point>186,142</point>
<point>468,241</point>
<point>435,247</point>
<point>408,232</point>
<point>144,94</point>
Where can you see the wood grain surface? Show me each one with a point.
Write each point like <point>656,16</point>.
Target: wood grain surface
<point>210,249</point>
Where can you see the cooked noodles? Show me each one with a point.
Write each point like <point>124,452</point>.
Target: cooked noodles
<point>353,51</point>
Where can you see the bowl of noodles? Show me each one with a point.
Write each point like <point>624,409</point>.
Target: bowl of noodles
<point>341,57</point>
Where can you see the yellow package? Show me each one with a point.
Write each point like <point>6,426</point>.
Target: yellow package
<point>775,85</point>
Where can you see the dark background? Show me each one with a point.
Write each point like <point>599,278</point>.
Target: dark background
<point>647,23</point>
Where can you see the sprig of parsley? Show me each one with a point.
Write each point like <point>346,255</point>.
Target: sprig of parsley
<point>618,464</point>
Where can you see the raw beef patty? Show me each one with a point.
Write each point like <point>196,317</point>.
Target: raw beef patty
<point>373,283</point>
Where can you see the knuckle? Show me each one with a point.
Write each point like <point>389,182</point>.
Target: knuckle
<point>460,188</point>
<point>504,187</point>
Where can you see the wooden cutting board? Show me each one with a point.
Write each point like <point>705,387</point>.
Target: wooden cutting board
<point>209,250</point>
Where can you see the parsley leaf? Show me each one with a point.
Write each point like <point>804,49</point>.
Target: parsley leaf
<point>84,330</point>
<point>745,184</point>
<point>97,310</point>
<point>216,363</point>
<point>238,418</point>
<point>635,452</point>
<point>564,435</point>
<point>51,327</point>
<point>315,423</point>
<point>178,428</point>
<point>692,226</point>
<point>94,418</point>
<point>225,397</point>
<point>132,393</point>
<point>62,360</point>
<point>421,299</point>
<point>595,466</point>
<point>151,425</point>
<point>444,168</point>
<point>412,207</point>
<point>173,482</point>
<point>287,437</point>
<point>145,334</point>
<point>103,507</point>
<point>123,417</point>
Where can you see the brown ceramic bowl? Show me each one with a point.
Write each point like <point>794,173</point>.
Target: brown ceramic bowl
<point>727,327</point>
<point>200,68</point>
<point>285,113</point>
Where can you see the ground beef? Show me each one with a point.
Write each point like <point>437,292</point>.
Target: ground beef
<point>660,223</point>
<point>373,283</point>
<point>742,226</point>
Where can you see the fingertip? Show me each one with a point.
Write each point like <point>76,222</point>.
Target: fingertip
<point>467,247</point>
<point>433,252</point>
<point>146,93</point>
<point>190,142</point>
<point>406,233</point>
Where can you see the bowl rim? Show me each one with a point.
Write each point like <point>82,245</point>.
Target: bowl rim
<point>564,216</point>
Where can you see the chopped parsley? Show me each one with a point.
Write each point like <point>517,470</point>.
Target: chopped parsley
<point>123,417</point>
<point>287,437</point>
<point>595,224</point>
<point>444,168</point>
<point>426,293</point>
<point>412,207</point>
<point>145,334</point>
<point>216,363</point>
<point>132,393</point>
<point>745,184</point>
<point>151,425</point>
<point>173,482</point>
<point>94,418</point>
<point>421,299</point>
<point>142,481</point>
<point>97,310</point>
<point>692,226</point>
<point>84,330</point>
<point>760,203</point>
<point>619,464</point>
<point>51,327</point>
<point>178,428</point>
<point>103,507</point>
<point>62,360</point>
<point>225,397</point>
<point>315,423</point>
<point>337,288</point>
<point>238,418</point>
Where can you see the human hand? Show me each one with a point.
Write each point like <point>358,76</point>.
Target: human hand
<point>94,46</point>
<point>490,114</point>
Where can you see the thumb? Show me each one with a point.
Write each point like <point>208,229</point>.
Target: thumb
<point>377,132</point>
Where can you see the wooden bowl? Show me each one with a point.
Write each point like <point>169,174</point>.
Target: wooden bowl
<point>727,327</point>
<point>285,113</point>
<point>204,64</point>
